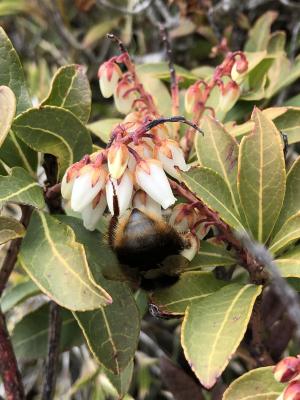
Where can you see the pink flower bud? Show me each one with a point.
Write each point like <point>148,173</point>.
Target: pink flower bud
<point>92,213</point>
<point>242,65</point>
<point>287,369</point>
<point>230,93</point>
<point>171,155</point>
<point>192,246</point>
<point>124,96</point>
<point>183,217</point>
<point>123,189</point>
<point>109,74</point>
<point>192,96</point>
<point>117,157</point>
<point>151,177</point>
<point>292,392</point>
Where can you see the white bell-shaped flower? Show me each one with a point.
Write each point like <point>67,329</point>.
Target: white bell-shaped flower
<point>124,96</point>
<point>67,185</point>
<point>145,203</point>
<point>123,189</point>
<point>143,149</point>
<point>171,156</point>
<point>90,181</point>
<point>92,213</point>
<point>109,74</point>
<point>151,177</point>
<point>117,158</point>
<point>191,247</point>
<point>183,217</point>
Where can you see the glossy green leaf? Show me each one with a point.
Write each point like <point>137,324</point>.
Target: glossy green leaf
<point>17,294</point>
<point>121,382</point>
<point>70,89</point>
<point>190,287</point>
<point>103,127</point>
<point>10,229</point>
<point>56,131</point>
<point>7,111</point>
<point>57,263</point>
<point>112,332</point>
<point>214,327</point>
<point>12,73</point>
<point>30,335</point>
<point>218,150</point>
<point>211,255</point>
<point>291,203</point>
<point>258,384</point>
<point>288,234</point>
<point>260,33</point>
<point>15,153</point>
<point>213,191</point>
<point>19,187</point>
<point>261,176</point>
<point>289,263</point>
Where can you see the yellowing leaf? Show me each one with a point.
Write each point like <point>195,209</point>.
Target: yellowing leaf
<point>7,111</point>
<point>57,264</point>
<point>10,229</point>
<point>287,235</point>
<point>218,150</point>
<point>213,191</point>
<point>191,287</point>
<point>214,327</point>
<point>261,176</point>
<point>289,263</point>
<point>258,384</point>
<point>260,33</point>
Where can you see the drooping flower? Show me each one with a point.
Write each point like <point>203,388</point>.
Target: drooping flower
<point>109,74</point>
<point>151,177</point>
<point>124,96</point>
<point>287,369</point>
<point>191,247</point>
<point>171,155</point>
<point>230,93</point>
<point>89,182</point>
<point>92,213</point>
<point>117,157</point>
<point>292,392</point>
<point>122,189</point>
<point>183,217</point>
<point>145,203</point>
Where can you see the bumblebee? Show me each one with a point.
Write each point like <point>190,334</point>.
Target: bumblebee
<point>145,243</point>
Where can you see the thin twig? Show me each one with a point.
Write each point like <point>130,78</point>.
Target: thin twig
<point>137,9</point>
<point>53,352</point>
<point>9,370</point>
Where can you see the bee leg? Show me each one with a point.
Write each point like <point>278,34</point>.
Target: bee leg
<point>284,137</point>
<point>114,219</point>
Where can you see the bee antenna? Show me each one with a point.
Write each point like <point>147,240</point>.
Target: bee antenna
<point>177,118</point>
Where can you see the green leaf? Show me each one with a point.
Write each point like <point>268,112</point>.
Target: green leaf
<point>15,153</point>
<point>56,131</point>
<point>17,294</point>
<point>121,382</point>
<point>7,111</point>
<point>213,191</point>
<point>102,129</point>
<point>261,176</point>
<point>289,263</point>
<point>253,385</point>
<point>211,255</point>
<point>112,332</point>
<point>288,234</point>
<point>30,335</point>
<point>19,187</point>
<point>214,327</point>
<point>70,89</point>
<point>291,203</point>
<point>161,71</point>
<point>10,229</point>
<point>190,287</point>
<point>218,150</point>
<point>159,92</point>
<point>58,265</point>
<point>276,42</point>
<point>12,73</point>
<point>98,31</point>
<point>260,33</point>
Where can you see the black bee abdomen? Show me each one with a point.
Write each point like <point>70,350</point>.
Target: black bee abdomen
<point>147,242</point>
